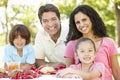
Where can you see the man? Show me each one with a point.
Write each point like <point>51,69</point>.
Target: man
<point>50,42</point>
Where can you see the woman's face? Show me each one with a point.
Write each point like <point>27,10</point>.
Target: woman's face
<point>86,52</point>
<point>51,23</point>
<point>19,42</point>
<point>83,23</point>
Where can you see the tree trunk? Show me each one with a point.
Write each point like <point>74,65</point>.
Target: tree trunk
<point>117,12</point>
<point>6,24</point>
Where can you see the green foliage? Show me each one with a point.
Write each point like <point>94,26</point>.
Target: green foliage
<point>66,7</point>
<point>22,14</point>
<point>3,2</point>
<point>116,1</point>
<point>26,15</point>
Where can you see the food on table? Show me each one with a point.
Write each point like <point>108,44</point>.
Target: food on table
<point>30,74</point>
<point>60,66</point>
<point>3,74</point>
<point>51,70</point>
<point>47,70</point>
<point>13,66</point>
<point>2,70</point>
<point>26,74</point>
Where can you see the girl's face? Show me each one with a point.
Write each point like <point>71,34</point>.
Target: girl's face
<point>86,52</point>
<point>51,23</point>
<point>83,23</point>
<point>19,42</point>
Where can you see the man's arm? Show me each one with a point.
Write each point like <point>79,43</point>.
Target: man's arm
<point>41,63</point>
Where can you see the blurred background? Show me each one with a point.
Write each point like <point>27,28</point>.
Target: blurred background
<point>25,12</point>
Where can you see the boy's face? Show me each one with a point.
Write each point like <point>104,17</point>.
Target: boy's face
<point>51,23</point>
<point>19,42</point>
<point>86,52</point>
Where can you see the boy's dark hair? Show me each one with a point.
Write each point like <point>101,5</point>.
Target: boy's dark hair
<point>19,29</point>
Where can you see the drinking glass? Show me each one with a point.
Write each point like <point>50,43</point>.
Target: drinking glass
<point>13,66</point>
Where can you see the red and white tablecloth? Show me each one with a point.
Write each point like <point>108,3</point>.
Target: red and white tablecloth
<point>46,77</point>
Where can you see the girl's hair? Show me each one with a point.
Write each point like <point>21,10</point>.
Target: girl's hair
<point>98,26</point>
<point>83,40</point>
<point>19,29</point>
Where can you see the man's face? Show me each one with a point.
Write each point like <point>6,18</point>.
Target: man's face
<point>51,23</point>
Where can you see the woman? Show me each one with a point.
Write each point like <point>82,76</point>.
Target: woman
<point>86,22</point>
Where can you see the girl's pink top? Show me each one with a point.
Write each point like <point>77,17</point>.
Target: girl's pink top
<point>95,67</point>
<point>107,49</point>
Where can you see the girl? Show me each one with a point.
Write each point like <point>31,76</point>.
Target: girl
<point>87,69</point>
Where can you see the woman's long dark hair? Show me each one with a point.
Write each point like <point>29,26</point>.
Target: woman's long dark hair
<point>98,26</point>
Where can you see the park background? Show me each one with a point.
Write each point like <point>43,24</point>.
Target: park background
<point>25,12</point>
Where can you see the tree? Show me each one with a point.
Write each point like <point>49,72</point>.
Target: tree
<point>117,12</point>
<point>66,7</point>
<point>4,3</point>
<point>26,15</point>
<point>14,14</point>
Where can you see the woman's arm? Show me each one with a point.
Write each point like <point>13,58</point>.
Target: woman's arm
<point>69,61</point>
<point>115,67</point>
<point>69,53</point>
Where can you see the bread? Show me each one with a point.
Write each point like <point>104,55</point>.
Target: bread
<point>47,69</point>
<point>2,70</point>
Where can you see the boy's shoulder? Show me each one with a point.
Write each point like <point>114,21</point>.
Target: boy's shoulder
<point>9,46</point>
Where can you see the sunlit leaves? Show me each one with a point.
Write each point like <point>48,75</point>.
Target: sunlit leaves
<point>66,7</point>
<point>3,2</point>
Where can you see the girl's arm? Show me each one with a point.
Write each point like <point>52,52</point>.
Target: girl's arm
<point>68,72</point>
<point>89,75</point>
